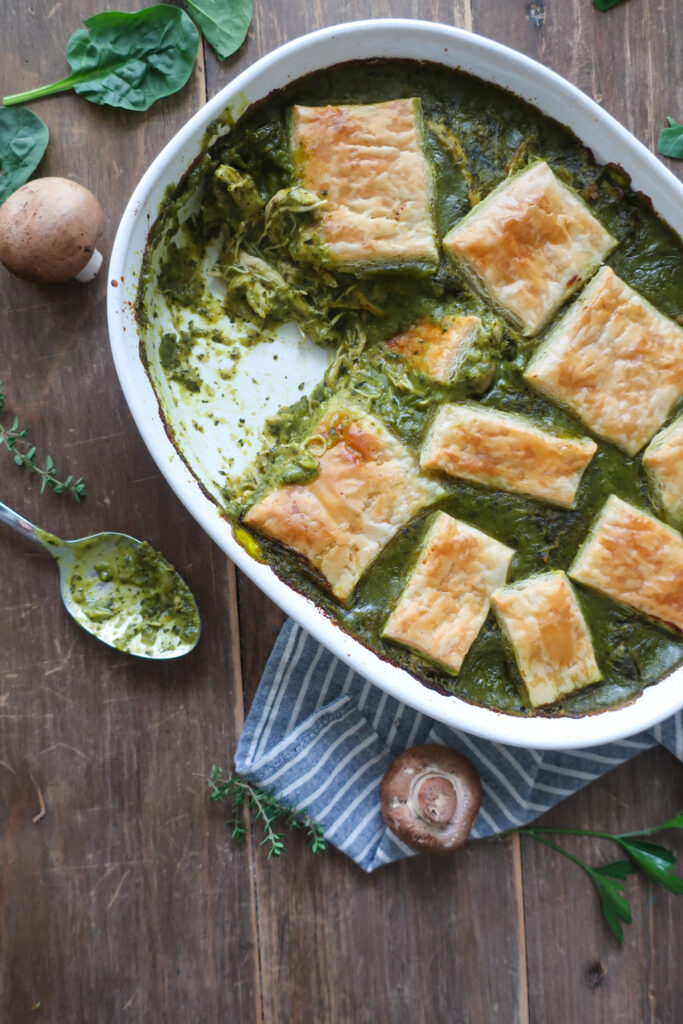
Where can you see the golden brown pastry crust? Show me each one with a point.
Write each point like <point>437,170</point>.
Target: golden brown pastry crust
<point>367,487</point>
<point>615,361</point>
<point>437,349</point>
<point>663,460</point>
<point>446,599</point>
<point>634,558</point>
<point>543,624</point>
<point>529,245</point>
<point>367,161</point>
<point>506,451</point>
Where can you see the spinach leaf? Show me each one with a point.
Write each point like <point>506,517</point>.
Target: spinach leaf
<point>671,140</point>
<point>225,23</point>
<point>127,60</point>
<point>23,139</point>
<point>606,5</point>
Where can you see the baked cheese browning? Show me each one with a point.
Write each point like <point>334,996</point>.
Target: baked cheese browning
<point>615,361</point>
<point>529,245</point>
<point>541,620</point>
<point>507,452</point>
<point>368,486</point>
<point>663,460</point>
<point>447,598</point>
<point>437,349</point>
<point>368,162</point>
<point>633,558</point>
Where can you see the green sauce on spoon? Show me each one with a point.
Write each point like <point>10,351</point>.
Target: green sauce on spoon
<point>121,590</point>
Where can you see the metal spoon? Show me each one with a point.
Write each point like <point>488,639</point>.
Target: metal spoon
<point>120,590</point>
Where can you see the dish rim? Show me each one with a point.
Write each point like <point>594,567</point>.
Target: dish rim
<point>460,50</point>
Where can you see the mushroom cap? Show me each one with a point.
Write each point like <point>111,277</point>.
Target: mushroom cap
<point>49,230</point>
<point>430,796</point>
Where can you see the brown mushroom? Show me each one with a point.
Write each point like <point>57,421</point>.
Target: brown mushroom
<point>430,797</point>
<point>49,230</point>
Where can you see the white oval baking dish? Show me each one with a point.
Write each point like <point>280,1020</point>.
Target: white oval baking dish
<point>554,96</point>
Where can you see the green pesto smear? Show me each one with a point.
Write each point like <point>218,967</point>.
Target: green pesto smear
<point>129,596</point>
<point>248,205</point>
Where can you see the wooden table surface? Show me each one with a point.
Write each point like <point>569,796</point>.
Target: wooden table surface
<point>127,900</point>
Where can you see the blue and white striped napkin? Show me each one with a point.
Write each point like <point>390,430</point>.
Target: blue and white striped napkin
<point>321,737</point>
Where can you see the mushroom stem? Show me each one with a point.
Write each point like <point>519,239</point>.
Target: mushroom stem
<point>91,269</point>
<point>437,799</point>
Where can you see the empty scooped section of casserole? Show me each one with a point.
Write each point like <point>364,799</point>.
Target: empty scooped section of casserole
<point>507,452</point>
<point>633,558</point>
<point>663,461</point>
<point>368,485</point>
<point>528,246</point>
<point>368,162</point>
<point>613,360</point>
<point>545,628</point>
<point>447,596</point>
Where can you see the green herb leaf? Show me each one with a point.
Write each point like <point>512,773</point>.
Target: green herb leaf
<point>127,60</point>
<point>606,5</point>
<point>671,142</point>
<point>607,880</point>
<point>675,822</point>
<point>617,869</point>
<point>614,904</point>
<point>654,861</point>
<point>27,457</point>
<point>225,23</point>
<point>266,809</point>
<point>23,141</point>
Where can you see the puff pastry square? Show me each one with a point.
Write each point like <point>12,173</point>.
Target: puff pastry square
<point>507,452</point>
<point>541,620</point>
<point>663,461</point>
<point>368,162</point>
<point>633,558</point>
<point>528,246</point>
<point>447,598</point>
<point>437,349</point>
<point>613,360</point>
<point>367,487</point>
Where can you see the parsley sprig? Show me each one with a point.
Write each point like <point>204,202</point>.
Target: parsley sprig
<point>650,859</point>
<point>15,440</point>
<point>265,807</point>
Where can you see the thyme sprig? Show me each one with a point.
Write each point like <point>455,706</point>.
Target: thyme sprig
<point>15,440</point>
<point>265,807</point>
<point>650,859</point>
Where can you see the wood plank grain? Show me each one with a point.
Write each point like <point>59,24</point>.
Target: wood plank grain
<point>413,942</point>
<point>125,901</point>
<point>577,970</point>
<point>626,59</point>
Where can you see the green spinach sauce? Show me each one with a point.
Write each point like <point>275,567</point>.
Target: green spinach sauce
<point>475,134</point>
<point>134,599</point>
